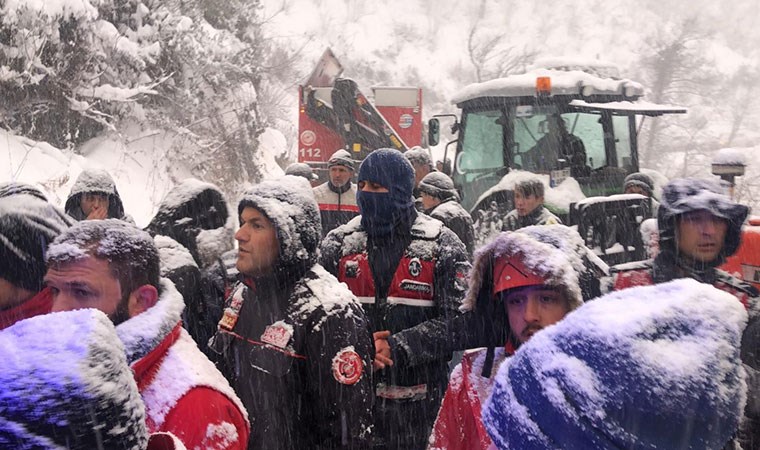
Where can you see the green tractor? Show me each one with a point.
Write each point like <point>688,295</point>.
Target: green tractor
<point>575,124</point>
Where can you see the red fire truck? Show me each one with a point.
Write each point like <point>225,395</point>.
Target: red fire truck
<point>334,114</point>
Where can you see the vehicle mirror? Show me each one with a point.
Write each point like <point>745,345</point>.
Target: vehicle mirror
<point>434,131</point>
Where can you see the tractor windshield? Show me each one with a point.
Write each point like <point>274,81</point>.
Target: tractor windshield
<point>541,139</point>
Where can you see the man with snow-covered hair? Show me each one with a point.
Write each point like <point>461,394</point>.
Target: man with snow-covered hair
<point>28,224</point>
<point>408,270</point>
<point>699,226</point>
<point>440,200</point>
<point>293,340</point>
<point>654,367</point>
<point>337,197</point>
<point>529,207</point>
<point>525,284</point>
<point>94,196</point>
<point>113,266</point>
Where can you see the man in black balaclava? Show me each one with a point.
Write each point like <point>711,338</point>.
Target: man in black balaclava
<point>408,270</point>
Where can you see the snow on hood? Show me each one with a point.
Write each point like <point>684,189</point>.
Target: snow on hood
<point>691,194</point>
<point>543,258</point>
<point>173,255</point>
<point>195,214</point>
<point>646,367</point>
<point>556,198</point>
<point>289,203</point>
<point>97,181</point>
<point>66,384</point>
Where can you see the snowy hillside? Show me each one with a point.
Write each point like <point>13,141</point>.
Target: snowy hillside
<point>138,164</point>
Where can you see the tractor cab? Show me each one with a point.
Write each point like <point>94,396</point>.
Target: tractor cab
<point>562,120</point>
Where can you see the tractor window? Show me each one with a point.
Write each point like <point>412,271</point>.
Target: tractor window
<point>588,128</point>
<point>483,142</point>
<point>545,141</point>
<point>622,142</point>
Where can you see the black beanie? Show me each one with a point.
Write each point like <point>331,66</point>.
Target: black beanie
<point>27,226</point>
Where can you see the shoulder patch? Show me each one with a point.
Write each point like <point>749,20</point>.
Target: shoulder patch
<point>347,366</point>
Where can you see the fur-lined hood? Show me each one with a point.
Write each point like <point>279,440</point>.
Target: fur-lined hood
<point>545,259</point>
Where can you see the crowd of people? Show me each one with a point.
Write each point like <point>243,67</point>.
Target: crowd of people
<point>332,323</point>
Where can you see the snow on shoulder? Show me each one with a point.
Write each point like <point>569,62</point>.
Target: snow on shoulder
<point>329,294</point>
<point>65,383</point>
<point>647,367</point>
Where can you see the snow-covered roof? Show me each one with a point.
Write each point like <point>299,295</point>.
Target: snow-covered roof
<point>562,83</point>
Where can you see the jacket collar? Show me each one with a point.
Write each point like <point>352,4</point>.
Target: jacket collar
<point>339,190</point>
<point>144,332</point>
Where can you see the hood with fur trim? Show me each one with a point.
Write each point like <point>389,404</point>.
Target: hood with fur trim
<point>544,259</point>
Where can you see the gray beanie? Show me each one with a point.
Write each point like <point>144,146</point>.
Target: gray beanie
<point>438,185</point>
<point>419,156</point>
<point>341,158</point>
<point>640,180</point>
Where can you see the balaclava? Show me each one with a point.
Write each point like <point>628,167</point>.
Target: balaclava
<point>383,212</point>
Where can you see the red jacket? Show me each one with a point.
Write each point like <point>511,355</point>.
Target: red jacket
<point>40,304</point>
<point>459,426</point>
<point>183,392</point>
<point>640,274</point>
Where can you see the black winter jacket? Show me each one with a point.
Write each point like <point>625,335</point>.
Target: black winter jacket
<point>457,219</point>
<point>426,291</point>
<point>300,358</point>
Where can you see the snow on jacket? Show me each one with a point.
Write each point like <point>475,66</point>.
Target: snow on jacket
<point>99,182</point>
<point>299,353</point>
<point>336,205</point>
<point>664,373</point>
<point>427,288</point>
<point>539,216</point>
<point>300,358</point>
<point>178,265</point>
<point>183,392</point>
<point>65,384</point>
<point>458,426</point>
<point>457,219</point>
<point>195,214</point>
